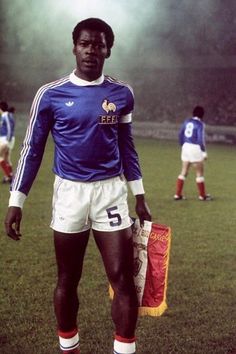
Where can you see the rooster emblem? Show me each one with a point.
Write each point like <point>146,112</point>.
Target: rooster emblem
<point>108,106</point>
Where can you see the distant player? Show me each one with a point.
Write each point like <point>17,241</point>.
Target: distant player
<point>11,111</point>
<point>192,140</point>
<point>7,126</point>
<point>89,116</point>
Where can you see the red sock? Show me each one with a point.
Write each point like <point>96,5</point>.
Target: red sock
<point>6,169</point>
<point>201,186</point>
<point>179,185</point>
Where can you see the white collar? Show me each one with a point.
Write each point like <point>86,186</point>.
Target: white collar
<point>196,118</point>
<point>80,82</point>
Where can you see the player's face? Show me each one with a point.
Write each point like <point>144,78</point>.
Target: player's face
<point>90,52</point>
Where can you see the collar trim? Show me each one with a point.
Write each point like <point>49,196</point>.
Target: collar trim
<point>80,82</point>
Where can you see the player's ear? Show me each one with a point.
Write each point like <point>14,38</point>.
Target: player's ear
<point>73,50</point>
<point>108,53</point>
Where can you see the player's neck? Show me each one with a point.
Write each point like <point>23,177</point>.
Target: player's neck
<point>87,77</point>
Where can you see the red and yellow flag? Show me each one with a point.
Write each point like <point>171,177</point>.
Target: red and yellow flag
<point>151,261</point>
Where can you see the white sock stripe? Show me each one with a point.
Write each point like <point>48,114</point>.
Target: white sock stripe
<point>114,352</point>
<point>200,179</point>
<point>69,343</point>
<point>181,177</point>
<point>124,348</point>
<point>77,345</point>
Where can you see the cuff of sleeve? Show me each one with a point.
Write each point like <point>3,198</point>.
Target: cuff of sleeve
<point>17,199</point>
<point>136,186</point>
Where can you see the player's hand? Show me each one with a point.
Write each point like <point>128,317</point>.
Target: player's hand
<point>12,223</point>
<point>205,156</point>
<point>142,209</point>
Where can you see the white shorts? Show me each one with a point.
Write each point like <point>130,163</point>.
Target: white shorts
<point>191,153</point>
<point>79,206</point>
<point>4,141</point>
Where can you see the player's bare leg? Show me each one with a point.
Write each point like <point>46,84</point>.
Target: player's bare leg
<point>180,180</point>
<point>117,253</point>
<point>70,251</point>
<point>185,168</point>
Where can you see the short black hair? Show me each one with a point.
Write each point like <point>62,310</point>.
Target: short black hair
<point>3,106</point>
<point>198,112</point>
<point>11,109</point>
<point>95,24</point>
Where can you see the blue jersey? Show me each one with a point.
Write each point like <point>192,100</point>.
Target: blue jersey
<point>91,127</point>
<point>7,125</point>
<point>192,131</point>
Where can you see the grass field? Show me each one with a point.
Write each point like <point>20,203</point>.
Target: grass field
<point>201,315</point>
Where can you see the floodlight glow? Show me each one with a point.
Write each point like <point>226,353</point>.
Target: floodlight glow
<point>110,11</point>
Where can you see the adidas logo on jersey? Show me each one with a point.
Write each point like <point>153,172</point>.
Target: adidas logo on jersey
<point>69,103</point>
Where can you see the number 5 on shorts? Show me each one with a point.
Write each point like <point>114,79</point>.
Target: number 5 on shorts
<point>115,216</point>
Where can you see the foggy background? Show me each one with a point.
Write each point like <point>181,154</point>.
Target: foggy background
<point>175,53</point>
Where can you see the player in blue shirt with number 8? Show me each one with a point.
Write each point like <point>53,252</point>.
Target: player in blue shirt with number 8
<point>192,140</point>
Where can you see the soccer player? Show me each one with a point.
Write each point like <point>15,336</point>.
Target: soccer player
<point>7,126</point>
<point>89,116</point>
<point>192,140</point>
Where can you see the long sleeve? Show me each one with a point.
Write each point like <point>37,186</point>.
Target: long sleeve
<point>201,136</point>
<point>7,128</point>
<point>33,146</point>
<point>181,134</point>
<point>129,156</point>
